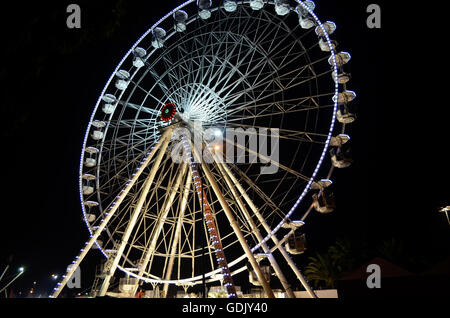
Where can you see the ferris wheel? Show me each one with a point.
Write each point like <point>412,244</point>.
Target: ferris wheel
<point>200,76</point>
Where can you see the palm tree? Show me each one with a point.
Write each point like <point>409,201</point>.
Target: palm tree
<point>325,268</point>
<point>321,270</point>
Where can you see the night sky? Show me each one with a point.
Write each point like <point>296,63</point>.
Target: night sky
<point>51,77</point>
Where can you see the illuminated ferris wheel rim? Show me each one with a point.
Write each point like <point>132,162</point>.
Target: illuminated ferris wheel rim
<point>301,196</point>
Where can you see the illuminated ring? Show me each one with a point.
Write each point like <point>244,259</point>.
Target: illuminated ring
<point>168,112</point>
<point>104,124</point>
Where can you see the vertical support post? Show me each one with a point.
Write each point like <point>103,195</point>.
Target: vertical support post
<point>258,235</point>
<point>111,211</point>
<point>160,223</point>
<point>211,224</point>
<point>147,185</point>
<point>178,229</point>
<point>268,230</point>
<point>237,230</point>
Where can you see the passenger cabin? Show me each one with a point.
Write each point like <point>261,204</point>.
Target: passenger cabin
<point>158,37</point>
<point>88,186</point>
<point>256,4</point>
<point>139,55</point>
<point>282,7</point>
<point>123,78</point>
<point>323,201</point>
<point>179,18</point>
<point>344,115</point>
<point>97,127</point>
<point>109,103</point>
<point>90,158</point>
<point>230,5</point>
<point>341,156</point>
<point>304,17</point>
<point>253,278</point>
<point>204,6</point>
<point>296,243</point>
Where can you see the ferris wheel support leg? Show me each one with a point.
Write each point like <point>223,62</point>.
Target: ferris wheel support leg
<point>178,229</point>
<point>237,230</point>
<point>108,217</point>
<point>269,230</point>
<point>165,139</point>
<point>160,223</point>
<point>258,235</point>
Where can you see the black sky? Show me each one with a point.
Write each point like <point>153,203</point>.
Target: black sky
<point>51,78</point>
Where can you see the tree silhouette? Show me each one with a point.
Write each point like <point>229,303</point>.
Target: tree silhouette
<point>324,269</point>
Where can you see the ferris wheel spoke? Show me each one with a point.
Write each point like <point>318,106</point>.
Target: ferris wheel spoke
<point>268,80</point>
<point>236,228</point>
<point>302,136</point>
<point>297,103</point>
<point>256,189</point>
<point>158,100</point>
<point>253,225</point>
<point>136,213</point>
<point>269,230</point>
<point>177,236</point>
<point>162,215</point>
<point>141,108</point>
<point>282,111</point>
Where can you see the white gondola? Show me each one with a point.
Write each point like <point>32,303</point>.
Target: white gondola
<point>302,11</point>
<point>139,55</point>
<point>88,177</point>
<point>344,116</point>
<point>230,5</point>
<point>323,202</point>
<point>256,4</point>
<point>304,17</point>
<point>109,98</point>
<point>253,278</point>
<point>108,108</point>
<point>123,78</point>
<point>90,217</point>
<point>90,204</point>
<point>339,140</point>
<point>321,184</point>
<point>97,133</point>
<point>87,187</point>
<point>323,44</point>
<point>341,157</point>
<point>293,224</point>
<point>282,7</point>
<point>126,284</point>
<point>158,37</point>
<point>110,101</point>
<point>180,18</point>
<point>341,59</point>
<point>341,78</point>
<point>98,124</point>
<point>204,6</point>
<point>90,160</point>
<point>328,26</point>
<point>344,97</point>
<point>296,244</point>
